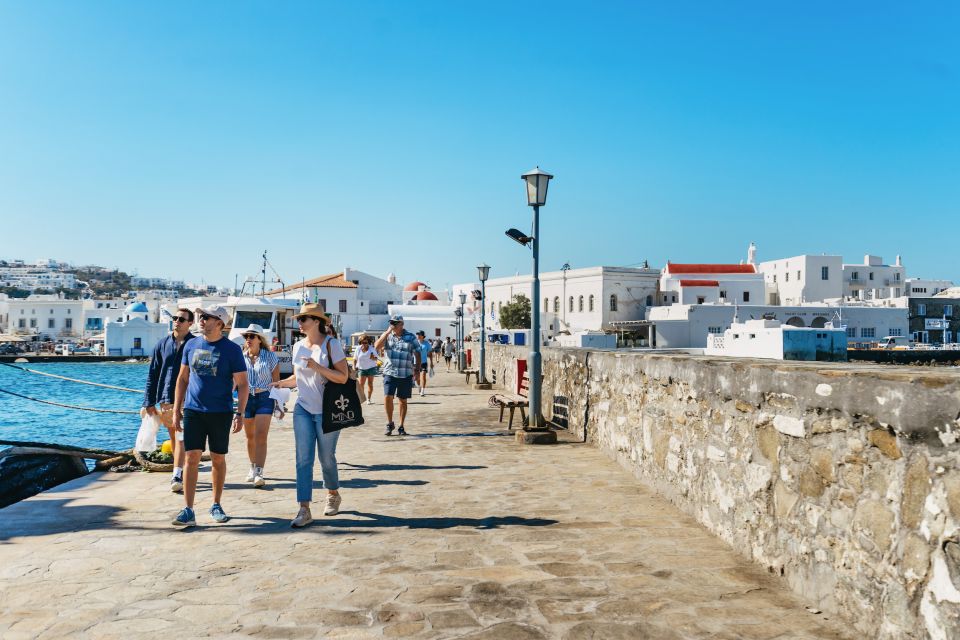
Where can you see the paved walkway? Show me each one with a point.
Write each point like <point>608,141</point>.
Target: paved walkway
<point>453,532</point>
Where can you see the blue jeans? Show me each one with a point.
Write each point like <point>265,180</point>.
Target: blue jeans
<point>309,438</point>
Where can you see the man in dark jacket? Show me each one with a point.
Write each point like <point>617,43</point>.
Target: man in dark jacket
<point>162,382</point>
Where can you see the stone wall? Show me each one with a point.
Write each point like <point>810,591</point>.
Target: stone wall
<point>843,478</point>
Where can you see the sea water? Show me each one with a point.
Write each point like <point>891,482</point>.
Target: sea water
<point>22,419</point>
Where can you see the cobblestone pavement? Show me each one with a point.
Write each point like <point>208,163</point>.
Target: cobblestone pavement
<point>455,531</point>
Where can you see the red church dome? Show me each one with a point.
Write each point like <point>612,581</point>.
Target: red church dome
<point>424,295</point>
<point>414,286</point>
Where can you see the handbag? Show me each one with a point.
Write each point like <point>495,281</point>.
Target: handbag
<point>341,403</point>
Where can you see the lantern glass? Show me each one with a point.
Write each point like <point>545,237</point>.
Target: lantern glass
<point>537,182</point>
<point>463,298</point>
<point>483,272</point>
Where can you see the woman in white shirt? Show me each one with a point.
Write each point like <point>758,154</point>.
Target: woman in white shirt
<point>316,359</point>
<point>263,368</point>
<point>365,361</point>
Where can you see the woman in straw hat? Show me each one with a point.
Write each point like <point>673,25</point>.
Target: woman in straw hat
<point>263,368</point>
<point>317,358</point>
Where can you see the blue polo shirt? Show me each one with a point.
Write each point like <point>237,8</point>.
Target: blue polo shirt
<point>212,365</point>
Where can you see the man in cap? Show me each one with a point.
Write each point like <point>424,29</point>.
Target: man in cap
<point>203,407</point>
<point>403,359</point>
<point>162,382</point>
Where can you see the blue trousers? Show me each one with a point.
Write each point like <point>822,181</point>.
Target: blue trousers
<point>309,438</point>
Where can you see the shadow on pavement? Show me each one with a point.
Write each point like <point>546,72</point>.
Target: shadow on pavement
<point>409,467</point>
<point>46,517</point>
<point>338,525</point>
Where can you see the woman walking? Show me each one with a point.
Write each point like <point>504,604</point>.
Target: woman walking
<point>263,369</point>
<point>365,361</point>
<point>317,358</point>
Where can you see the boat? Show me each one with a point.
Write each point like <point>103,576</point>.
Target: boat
<point>276,318</point>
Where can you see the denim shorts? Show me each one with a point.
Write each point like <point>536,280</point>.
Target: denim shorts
<point>369,373</point>
<point>259,404</point>
<point>400,387</point>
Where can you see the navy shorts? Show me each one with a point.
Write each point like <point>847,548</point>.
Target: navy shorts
<point>259,404</point>
<point>425,367</point>
<point>400,387</point>
<point>199,428</point>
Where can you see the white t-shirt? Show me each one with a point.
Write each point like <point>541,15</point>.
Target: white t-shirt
<point>365,359</point>
<point>310,384</point>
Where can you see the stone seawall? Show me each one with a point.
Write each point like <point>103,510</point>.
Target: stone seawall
<point>843,478</point>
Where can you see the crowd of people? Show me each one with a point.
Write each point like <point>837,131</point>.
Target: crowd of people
<point>192,380</point>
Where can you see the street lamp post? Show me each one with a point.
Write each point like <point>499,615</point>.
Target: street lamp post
<point>537,182</point>
<point>460,351</point>
<point>483,272</point>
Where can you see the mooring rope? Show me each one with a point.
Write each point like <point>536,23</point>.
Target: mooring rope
<point>53,375</point>
<point>69,406</point>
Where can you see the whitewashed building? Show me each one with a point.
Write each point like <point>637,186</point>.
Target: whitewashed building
<point>924,288</point>
<point>805,278</point>
<point>134,335</point>
<point>874,280</point>
<point>571,300</point>
<point>710,283</point>
<point>770,339</point>
<point>42,317</point>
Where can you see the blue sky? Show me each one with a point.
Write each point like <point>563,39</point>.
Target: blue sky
<point>183,139</point>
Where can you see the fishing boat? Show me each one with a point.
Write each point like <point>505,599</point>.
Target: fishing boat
<point>276,318</point>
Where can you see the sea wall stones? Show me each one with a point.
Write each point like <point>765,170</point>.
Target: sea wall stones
<point>843,478</point>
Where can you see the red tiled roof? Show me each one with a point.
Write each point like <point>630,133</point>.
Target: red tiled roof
<point>674,267</point>
<point>424,295</point>
<point>334,280</point>
<point>699,283</point>
<point>414,286</point>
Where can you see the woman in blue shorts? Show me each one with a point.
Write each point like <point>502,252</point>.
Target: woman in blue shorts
<point>263,367</point>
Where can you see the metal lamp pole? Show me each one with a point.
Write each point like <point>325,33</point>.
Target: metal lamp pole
<point>483,271</point>
<point>537,182</point>
<point>463,301</point>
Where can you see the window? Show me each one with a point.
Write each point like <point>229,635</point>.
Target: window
<point>137,343</point>
<point>921,309</point>
<point>855,275</point>
<point>580,304</point>
<point>774,277</point>
<point>343,306</point>
<point>323,303</point>
<point>787,278</point>
<point>51,323</point>
<point>868,332</point>
<point>571,304</point>
<point>896,332</point>
<point>590,305</point>
<point>746,296</point>
<point>851,332</point>
<point>824,273</point>
<point>701,299</point>
<point>51,311</point>
<point>649,301</point>
<point>753,336</point>
<point>896,276</point>
<point>798,276</point>
<point>437,332</point>
<point>33,323</point>
<point>556,304</point>
<point>23,323</point>
<point>68,323</point>
<point>870,276</point>
<point>723,294</point>
<point>715,330</point>
<point>546,305</point>
<point>897,292</point>
<point>948,310</point>
<point>674,299</point>
<point>613,302</point>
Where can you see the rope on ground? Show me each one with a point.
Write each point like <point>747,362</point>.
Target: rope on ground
<point>53,375</point>
<point>69,406</point>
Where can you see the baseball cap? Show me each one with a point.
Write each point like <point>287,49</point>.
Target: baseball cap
<point>396,318</point>
<point>216,311</point>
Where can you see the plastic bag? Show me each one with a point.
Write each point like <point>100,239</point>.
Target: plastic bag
<point>147,436</point>
<point>431,372</point>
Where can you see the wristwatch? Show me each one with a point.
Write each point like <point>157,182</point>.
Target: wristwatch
<point>238,414</point>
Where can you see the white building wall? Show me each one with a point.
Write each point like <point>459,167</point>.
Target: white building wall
<point>45,316</point>
<point>805,278</point>
<point>123,338</point>
<point>874,280</point>
<point>924,288</point>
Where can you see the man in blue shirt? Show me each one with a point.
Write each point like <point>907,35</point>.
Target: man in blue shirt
<point>162,382</point>
<point>203,407</point>
<point>402,353</point>
<point>426,361</point>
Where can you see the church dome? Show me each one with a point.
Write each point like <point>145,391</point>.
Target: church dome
<point>424,295</point>
<point>136,307</point>
<point>414,286</point>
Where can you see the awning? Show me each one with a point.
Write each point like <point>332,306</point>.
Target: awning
<point>9,337</point>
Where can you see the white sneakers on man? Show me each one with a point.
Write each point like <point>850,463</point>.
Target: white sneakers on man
<point>258,480</point>
<point>252,473</point>
<point>333,504</point>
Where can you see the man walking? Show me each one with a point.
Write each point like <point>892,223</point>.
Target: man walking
<point>162,383</point>
<point>203,406</point>
<point>448,348</point>
<point>403,358</point>
<point>426,361</point>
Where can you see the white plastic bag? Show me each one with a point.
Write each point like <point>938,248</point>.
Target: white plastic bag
<point>147,436</point>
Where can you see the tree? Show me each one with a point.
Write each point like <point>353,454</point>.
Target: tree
<point>516,314</point>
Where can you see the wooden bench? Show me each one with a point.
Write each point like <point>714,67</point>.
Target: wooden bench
<point>472,372</point>
<point>513,402</point>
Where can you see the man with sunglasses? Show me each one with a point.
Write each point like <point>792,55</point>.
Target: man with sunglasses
<point>403,359</point>
<point>162,382</point>
<point>203,406</point>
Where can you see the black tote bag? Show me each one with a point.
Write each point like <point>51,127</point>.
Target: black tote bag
<point>341,403</point>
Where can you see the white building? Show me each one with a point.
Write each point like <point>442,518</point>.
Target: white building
<point>571,300</point>
<point>773,340</point>
<point>687,326</point>
<point>806,278</point>
<point>716,283</point>
<point>135,334</point>
<point>44,317</point>
<point>874,280</point>
<point>356,301</point>
<point>924,288</point>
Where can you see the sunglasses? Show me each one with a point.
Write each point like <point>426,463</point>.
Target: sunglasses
<point>252,336</point>
<point>204,316</point>
<point>303,319</point>
<point>181,319</point>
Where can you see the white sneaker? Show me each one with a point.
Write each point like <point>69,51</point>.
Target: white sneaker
<point>422,393</point>
<point>258,480</point>
<point>252,473</point>
<point>333,504</point>
<point>370,401</point>
<point>303,518</point>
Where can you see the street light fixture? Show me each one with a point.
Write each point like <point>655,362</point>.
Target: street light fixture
<point>537,182</point>
<point>483,272</point>
<point>518,236</point>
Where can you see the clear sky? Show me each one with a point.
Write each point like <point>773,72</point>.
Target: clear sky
<point>181,139</point>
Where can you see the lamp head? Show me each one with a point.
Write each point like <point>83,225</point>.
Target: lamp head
<point>518,236</point>
<point>463,297</point>
<point>483,271</point>
<point>537,182</point>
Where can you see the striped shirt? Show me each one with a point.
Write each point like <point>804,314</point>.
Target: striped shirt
<point>260,374</point>
<point>400,355</point>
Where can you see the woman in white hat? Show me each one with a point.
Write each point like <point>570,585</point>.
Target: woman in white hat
<point>263,368</point>
<point>316,359</point>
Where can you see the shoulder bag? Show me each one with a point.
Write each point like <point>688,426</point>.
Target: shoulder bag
<point>341,402</point>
